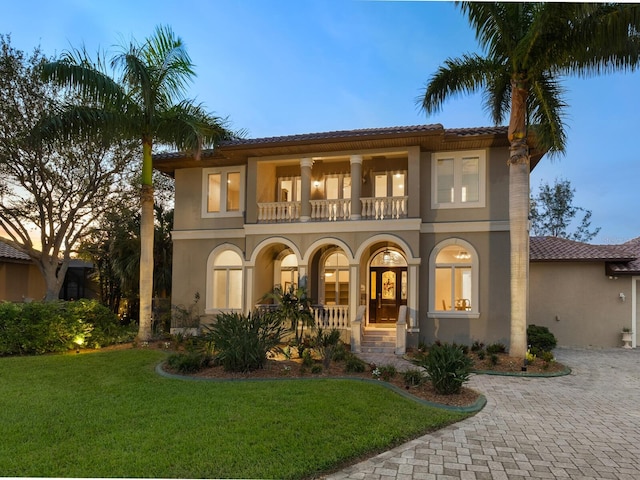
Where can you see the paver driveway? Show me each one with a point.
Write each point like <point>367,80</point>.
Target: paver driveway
<point>585,425</point>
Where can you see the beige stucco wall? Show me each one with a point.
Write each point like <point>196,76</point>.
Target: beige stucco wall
<point>497,192</point>
<point>20,281</point>
<point>579,304</point>
<point>493,324</point>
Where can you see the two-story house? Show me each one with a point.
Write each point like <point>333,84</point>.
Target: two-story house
<point>401,230</point>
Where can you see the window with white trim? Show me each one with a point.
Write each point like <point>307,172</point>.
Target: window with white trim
<point>223,192</point>
<point>458,179</point>
<point>335,274</point>
<point>226,281</point>
<point>389,184</point>
<point>453,279</point>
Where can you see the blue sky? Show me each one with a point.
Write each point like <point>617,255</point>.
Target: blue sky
<point>299,66</point>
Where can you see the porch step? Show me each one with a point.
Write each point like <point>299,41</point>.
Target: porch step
<point>378,341</point>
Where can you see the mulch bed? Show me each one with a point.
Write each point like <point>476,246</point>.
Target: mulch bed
<point>279,367</point>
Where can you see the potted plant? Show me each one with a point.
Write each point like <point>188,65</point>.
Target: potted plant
<point>626,337</point>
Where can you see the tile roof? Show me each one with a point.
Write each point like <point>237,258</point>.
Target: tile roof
<point>360,134</point>
<point>7,251</point>
<point>631,267</point>
<point>549,249</point>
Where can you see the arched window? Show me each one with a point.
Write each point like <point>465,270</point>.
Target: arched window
<point>453,279</point>
<point>225,286</point>
<point>288,271</point>
<point>336,279</point>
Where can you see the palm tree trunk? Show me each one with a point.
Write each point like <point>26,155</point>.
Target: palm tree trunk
<point>146,262</point>
<point>146,244</point>
<point>519,220</point>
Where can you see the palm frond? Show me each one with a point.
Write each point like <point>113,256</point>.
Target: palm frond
<point>188,126</point>
<point>546,114</point>
<point>75,71</point>
<point>461,75</point>
<point>497,97</point>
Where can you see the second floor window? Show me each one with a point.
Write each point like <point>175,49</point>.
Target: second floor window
<point>389,184</point>
<point>224,192</point>
<point>458,180</point>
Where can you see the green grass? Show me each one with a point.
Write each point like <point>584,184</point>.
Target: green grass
<point>109,414</point>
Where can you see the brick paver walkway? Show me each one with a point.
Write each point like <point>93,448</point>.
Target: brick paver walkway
<point>585,425</point>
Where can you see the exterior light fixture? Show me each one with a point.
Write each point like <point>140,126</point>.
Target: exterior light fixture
<point>463,255</point>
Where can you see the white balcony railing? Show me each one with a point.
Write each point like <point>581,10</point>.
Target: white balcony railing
<point>339,209</point>
<point>379,208</point>
<point>324,316</point>
<point>331,316</point>
<point>279,211</point>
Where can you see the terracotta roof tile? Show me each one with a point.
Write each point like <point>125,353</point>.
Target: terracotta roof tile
<point>632,267</point>
<point>7,251</point>
<point>560,249</point>
<point>343,134</point>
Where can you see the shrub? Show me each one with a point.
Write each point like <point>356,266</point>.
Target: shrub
<point>340,353</point>
<point>447,367</point>
<point>36,328</point>
<point>540,339</point>
<point>353,364</point>
<point>496,348</point>
<point>477,346</point>
<point>307,359</point>
<point>387,372</point>
<point>316,369</point>
<point>326,343</point>
<point>242,342</point>
<point>413,377</point>
<point>187,362</point>
<point>494,359</point>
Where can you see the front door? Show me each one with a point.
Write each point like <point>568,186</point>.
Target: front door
<point>388,292</point>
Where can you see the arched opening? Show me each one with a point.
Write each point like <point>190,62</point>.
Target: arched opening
<point>388,286</point>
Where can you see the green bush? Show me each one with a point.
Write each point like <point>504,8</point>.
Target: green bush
<point>413,377</point>
<point>37,328</point>
<point>540,339</point>
<point>326,343</point>
<point>496,348</point>
<point>387,372</point>
<point>242,342</point>
<point>353,364</point>
<point>447,367</point>
<point>187,362</point>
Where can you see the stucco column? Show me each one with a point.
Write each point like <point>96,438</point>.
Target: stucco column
<point>248,290</point>
<point>356,187</point>
<point>413,295</point>
<point>305,195</point>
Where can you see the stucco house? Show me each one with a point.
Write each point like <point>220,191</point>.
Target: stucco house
<point>401,234</point>
<point>585,294</point>
<point>20,278</point>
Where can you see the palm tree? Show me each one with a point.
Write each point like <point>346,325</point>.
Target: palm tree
<point>145,103</point>
<point>528,47</point>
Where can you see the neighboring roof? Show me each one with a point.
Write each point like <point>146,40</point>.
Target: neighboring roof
<point>430,136</point>
<point>556,249</point>
<point>618,259</point>
<point>9,252</point>
<point>632,267</point>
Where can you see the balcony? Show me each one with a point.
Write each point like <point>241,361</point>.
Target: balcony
<point>373,208</point>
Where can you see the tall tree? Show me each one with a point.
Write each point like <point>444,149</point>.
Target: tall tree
<point>552,212</point>
<point>529,47</point>
<point>51,192</point>
<point>142,100</point>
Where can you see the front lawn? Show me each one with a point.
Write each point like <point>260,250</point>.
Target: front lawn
<point>109,414</point>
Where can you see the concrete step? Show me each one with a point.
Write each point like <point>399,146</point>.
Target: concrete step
<point>380,342</point>
<point>385,350</point>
